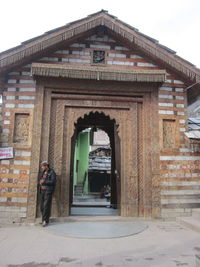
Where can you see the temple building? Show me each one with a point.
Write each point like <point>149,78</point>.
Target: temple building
<point>98,73</point>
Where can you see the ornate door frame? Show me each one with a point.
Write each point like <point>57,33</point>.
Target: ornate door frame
<point>137,118</point>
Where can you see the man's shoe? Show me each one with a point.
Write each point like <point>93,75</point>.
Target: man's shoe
<point>44,224</point>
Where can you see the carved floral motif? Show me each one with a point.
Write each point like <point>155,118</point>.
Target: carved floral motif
<point>21,128</point>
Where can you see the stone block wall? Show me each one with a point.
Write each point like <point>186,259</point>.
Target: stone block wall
<point>1,124</point>
<point>179,166</point>
<point>17,113</point>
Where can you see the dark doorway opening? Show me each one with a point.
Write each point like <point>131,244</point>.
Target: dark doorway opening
<point>95,167</point>
<point>98,181</point>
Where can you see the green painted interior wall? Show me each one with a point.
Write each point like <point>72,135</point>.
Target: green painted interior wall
<point>81,159</point>
<point>75,163</point>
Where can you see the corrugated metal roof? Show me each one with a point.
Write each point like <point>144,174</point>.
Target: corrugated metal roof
<point>194,124</point>
<point>194,120</point>
<point>193,127</point>
<point>100,163</point>
<point>193,134</point>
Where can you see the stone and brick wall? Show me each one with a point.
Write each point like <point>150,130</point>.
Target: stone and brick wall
<point>180,182</point>
<point>179,168</point>
<point>116,56</point>
<point>17,110</point>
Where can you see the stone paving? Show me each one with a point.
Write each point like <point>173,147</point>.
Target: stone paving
<point>95,211</point>
<point>162,244</point>
<point>97,230</point>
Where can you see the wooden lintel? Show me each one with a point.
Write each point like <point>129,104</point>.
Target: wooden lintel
<point>98,98</point>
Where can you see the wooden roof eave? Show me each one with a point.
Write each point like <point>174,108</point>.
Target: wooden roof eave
<point>41,53</point>
<point>131,35</point>
<point>193,93</point>
<point>97,73</point>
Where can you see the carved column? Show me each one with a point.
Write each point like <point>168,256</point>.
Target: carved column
<point>35,154</point>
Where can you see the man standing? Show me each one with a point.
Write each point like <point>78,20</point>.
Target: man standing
<point>47,185</point>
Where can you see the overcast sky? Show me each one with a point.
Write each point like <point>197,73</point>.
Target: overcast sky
<point>174,23</point>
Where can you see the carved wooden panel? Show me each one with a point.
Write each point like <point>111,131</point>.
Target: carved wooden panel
<point>169,133</point>
<point>98,57</point>
<point>52,133</point>
<point>21,128</point>
<point>47,117</point>
<point>140,162</point>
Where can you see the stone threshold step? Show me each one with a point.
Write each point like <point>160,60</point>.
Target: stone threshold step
<point>190,222</point>
<point>85,218</point>
<point>90,204</point>
<point>103,218</point>
<point>88,200</point>
<point>80,218</point>
<point>198,260</point>
<point>196,214</point>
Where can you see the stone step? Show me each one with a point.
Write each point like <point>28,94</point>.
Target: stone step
<point>190,222</point>
<point>85,197</point>
<point>90,196</point>
<point>78,190</point>
<point>88,219</point>
<point>198,260</point>
<point>90,200</point>
<point>196,213</point>
<point>90,204</point>
<point>79,184</point>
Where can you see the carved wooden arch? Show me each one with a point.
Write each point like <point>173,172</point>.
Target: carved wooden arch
<point>99,115</point>
<point>107,124</point>
<point>83,117</point>
<point>112,114</point>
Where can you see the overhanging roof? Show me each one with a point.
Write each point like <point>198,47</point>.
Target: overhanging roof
<point>97,73</point>
<point>193,134</point>
<point>68,33</point>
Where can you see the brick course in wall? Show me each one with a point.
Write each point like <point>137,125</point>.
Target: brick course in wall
<point>179,167</point>
<point>18,98</point>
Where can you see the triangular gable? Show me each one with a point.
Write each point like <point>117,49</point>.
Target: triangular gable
<point>71,32</point>
<point>76,61</point>
<point>117,53</point>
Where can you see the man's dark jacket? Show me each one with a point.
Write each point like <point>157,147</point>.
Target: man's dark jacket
<point>50,180</point>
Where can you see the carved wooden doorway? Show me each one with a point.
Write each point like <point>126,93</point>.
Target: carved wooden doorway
<point>135,140</point>
<point>86,123</point>
<point>126,169</point>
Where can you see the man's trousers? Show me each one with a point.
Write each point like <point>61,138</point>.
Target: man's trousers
<point>45,205</point>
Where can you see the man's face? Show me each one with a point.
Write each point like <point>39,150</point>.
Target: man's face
<point>43,167</point>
